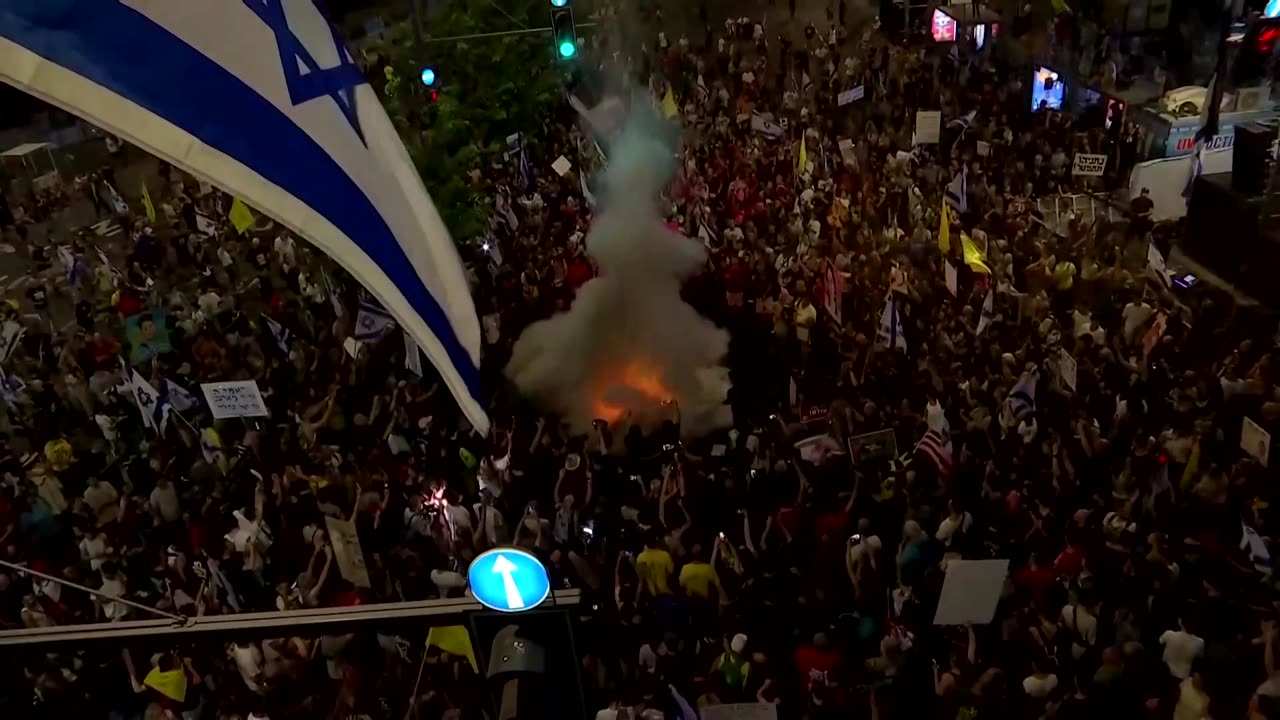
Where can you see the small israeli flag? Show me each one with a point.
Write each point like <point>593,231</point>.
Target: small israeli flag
<point>181,398</point>
<point>280,334</point>
<point>372,323</point>
<point>957,194</point>
<point>890,334</point>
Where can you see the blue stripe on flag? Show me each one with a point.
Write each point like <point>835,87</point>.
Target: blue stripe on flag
<point>122,50</point>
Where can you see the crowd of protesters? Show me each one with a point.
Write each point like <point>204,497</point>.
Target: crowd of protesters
<point>732,568</point>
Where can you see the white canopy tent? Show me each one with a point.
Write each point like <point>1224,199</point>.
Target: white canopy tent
<point>28,155</point>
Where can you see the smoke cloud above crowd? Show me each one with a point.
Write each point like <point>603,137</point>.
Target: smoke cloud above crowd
<point>629,346</point>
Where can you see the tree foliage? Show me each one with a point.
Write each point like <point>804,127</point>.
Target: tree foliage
<point>488,88</point>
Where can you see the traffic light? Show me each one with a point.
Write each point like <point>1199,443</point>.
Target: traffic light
<point>563,34</point>
<point>428,76</point>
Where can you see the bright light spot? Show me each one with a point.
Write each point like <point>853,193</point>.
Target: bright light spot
<point>428,77</point>
<point>567,48</point>
<point>485,247</point>
<point>559,3</point>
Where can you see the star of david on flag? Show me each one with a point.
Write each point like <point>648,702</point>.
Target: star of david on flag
<point>372,323</point>
<point>338,83</point>
<point>262,99</point>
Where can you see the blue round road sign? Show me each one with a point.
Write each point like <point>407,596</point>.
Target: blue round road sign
<point>508,580</point>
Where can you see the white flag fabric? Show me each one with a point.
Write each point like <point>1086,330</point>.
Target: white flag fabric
<point>890,334</point>
<point>263,99</point>
<point>957,193</point>
<point>279,333</point>
<point>988,313</point>
<point>372,323</point>
<point>412,360</point>
<point>149,403</point>
<point>181,398</point>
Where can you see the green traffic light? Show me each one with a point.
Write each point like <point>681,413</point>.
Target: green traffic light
<point>568,49</point>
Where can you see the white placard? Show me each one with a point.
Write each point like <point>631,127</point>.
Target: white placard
<point>949,272</point>
<point>928,127</point>
<point>849,96</point>
<point>347,551</point>
<point>561,165</point>
<point>1067,368</point>
<point>1255,441</point>
<point>984,148</point>
<point>1089,165</point>
<point>971,591</point>
<point>236,398</point>
<point>741,711</point>
<point>846,152</point>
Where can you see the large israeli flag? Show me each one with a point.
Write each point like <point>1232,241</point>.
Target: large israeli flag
<point>261,98</point>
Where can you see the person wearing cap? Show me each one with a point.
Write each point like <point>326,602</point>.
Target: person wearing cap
<point>733,665</point>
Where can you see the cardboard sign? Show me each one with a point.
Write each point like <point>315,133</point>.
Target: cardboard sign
<point>984,148</point>
<point>949,272</point>
<point>928,127</point>
<point>971,591</point>
<point>561,165</point>
<point>347,551</point>
<point>1089,165</point>
<point>235,398</point>
<point>846,152</point>
<point>1067,368</point>
<point>878,445</point>
<point>1255,441</point>
<point>849,96</point>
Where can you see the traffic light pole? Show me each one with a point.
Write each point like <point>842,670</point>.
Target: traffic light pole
<point>502,33</point>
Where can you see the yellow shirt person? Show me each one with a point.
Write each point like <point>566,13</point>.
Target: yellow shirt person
<point>698,578</point>
<point>654,566</point>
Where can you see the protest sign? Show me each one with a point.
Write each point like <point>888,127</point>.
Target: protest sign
<point>984,148</point>
<point>1255,441</point>
<point>881,444</point>
<point>1067,368</point>
<point>949,273</point>
<point>1089,165</point>
<point>846,152</point>
<point>561,165</point>
<point>971,591</point>
<point>741,711</point>
<point>832,290</point>
<point>241,216</point>
<point>234,398</point>
<point>851,95</point>
<point>147,335</point>
<point>347,551</point>
<point>928,127</point>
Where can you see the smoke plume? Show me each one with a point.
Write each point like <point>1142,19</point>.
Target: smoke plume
<point>629,343</point>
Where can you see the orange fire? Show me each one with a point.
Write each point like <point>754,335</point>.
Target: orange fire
<point>637,378</point>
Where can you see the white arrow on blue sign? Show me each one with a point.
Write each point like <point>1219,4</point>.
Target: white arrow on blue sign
<point>508,580</point>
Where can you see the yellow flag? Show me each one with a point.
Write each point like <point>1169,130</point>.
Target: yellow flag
<point>454,640</point>
<point>803,159</point>
<point>944,231</point>
<point>973,257</point>
<point>669,108</point>
<point>169,683</point>
<point>147,205</point>
<point>241,216</point>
